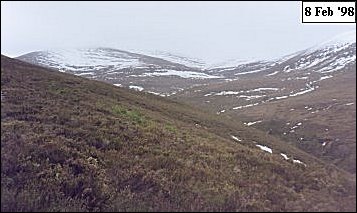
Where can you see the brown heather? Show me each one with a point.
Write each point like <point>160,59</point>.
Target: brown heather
<point>72,144</point>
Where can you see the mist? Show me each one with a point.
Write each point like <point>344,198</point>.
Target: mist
<point>212,31</point>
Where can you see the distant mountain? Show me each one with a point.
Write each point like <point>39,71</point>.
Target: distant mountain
<point>122,68</point>
<point>326,57</point>
<point>166,74</point>
<point>97,60</point>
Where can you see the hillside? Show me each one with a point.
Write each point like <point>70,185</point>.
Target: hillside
<point>307,99</point>
<point>73,144</point>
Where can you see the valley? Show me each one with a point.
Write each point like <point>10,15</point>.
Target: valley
<point>133,106</point>
<point>314,88</point>
<point>74,144</point>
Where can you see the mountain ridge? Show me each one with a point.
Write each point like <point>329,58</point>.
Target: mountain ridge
<point>153,62</point>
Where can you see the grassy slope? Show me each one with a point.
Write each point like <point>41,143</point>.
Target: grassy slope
<point>68,143</point>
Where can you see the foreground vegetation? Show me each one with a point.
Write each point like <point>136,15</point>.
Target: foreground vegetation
<point>71,144</point>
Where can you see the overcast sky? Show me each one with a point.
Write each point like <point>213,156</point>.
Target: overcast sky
<point>212,31</point>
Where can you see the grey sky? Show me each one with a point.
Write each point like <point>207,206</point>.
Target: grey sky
<point>212,31</point>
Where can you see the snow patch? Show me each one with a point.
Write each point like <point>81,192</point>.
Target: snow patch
<point>236,138</point>
<point>325,77</point>
<point>227,93</point>
<point>176,58</point>
<point>249,72</point>
<point>182,74</point>
<point>155,93</point>
<point>262,89</point>
<point>85,73</point>
<point>137,88</point>
<point>250,97</point>
<point>252,123</point>
<point>302,92</point>
<point>274,73</point>
<point>232,64</point>
<point>281,97</point>
<point>284,156</point>
<point>302,78</point>
<point>299,162</point>
<point>245,106</point>
<point>222,111</point>
<point>265,148</point>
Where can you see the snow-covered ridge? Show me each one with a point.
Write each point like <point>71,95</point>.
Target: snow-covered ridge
<point>341,39</point>
<point>335,44</point>
<point>338,42</point>
<point>82,59</point>
<point>114,65</point>
<point>320,56</point>
<point>232,63</point>
<point>328,56</point>
<point>175,58</point>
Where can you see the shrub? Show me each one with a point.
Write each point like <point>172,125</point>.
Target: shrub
<point>132,115</point>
